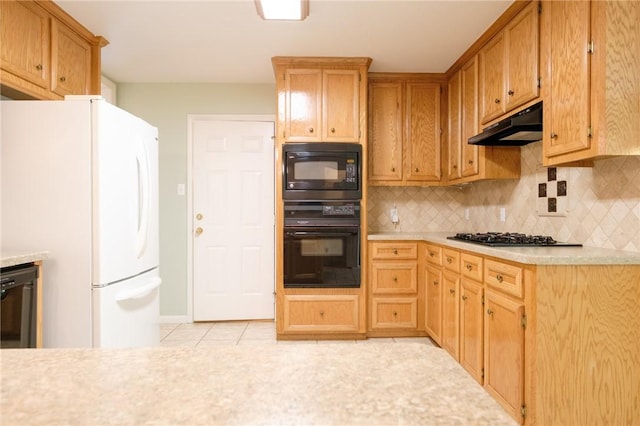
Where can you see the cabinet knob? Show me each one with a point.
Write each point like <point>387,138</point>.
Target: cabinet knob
<point>497,101</point>
<point>464,297</point>
<point>553,135</point>
<point>395,314</point>
<point>510,92</point>
<point>395,251</point>
<point>39,67</point>
<point>417,170</point>
<point>63,79</point>
<point>489,312</point>
<point>393,169</point>
<point>431,254</point>
<point>321,313</point>
<point>395,279</point>
<point>470,161</point>
<point>449,260</point>
<point>311,130</point>
<point>435,283</point>
<point>468,266</point>
<point>455,166</point>
<point>452,291</point>
<point>333,130</point>
<point>499,278</point>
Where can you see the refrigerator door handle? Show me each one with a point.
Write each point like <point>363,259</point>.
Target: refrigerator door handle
<point>139,292</point>
<point>142,163</point>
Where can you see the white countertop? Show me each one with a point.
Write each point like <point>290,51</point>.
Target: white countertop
<point>527,255</point>
<point>18,257</point>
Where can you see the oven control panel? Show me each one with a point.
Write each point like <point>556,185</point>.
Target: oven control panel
<point>340,210</point>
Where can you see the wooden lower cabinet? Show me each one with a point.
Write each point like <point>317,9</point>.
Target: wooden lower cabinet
<point>321,313</point>
<point>504,351</point>
<point>471,328</point>
<point>394,313</point>
<point>451,314</point>
<point>433,290</point>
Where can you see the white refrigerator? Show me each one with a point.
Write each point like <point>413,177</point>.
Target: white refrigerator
<point>80,180</point>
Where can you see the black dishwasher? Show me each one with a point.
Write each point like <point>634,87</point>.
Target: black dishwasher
<point>18,306</point>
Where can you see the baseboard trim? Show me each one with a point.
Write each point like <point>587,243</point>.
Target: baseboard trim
<point>174,319</point>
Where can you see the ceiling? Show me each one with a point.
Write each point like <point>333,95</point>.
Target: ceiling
<point>222,41</point>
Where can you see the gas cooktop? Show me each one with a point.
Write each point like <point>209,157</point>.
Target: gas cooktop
<point>510,239</point>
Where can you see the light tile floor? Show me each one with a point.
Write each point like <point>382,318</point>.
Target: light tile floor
<point>203,334</point>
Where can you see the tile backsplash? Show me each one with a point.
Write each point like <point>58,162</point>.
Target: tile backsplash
<point>600,208</point>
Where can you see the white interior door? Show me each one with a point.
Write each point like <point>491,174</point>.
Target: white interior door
<point>233,223</point>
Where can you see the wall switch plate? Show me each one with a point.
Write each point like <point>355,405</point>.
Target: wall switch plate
<point>466,214</point>
<point>181,189</point>
<point>394,215</point>
<point>503,214</point>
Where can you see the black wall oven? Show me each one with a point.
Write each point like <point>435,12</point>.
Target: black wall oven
<point>321,244</point>
<point>322,171</point>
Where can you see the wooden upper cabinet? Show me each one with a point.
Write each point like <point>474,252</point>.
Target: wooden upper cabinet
<point>385,131</point>
<point>303,91</point>
<point>423,132</point>
<point>341,105</point>
<point>71,61</point>
<point>404,129</point>
<point>321,99</point>
<point>509,66</point>
<point>492,79</point>
<point>46,54</point>
<point>470,160</point>
<point>591,81</point>
<point>454,105</point>
<point>24,30</point>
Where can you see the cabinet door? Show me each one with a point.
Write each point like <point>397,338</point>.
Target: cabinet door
<point>504,351</point>
<point>423,132</point>
<point>450,314</point>
<point>522,50</point>
<point>341,106</point>
<point>469,162</point>
<point>471,328</point>
<point>70,61</point>
<point>24,31</point>
<point>491,79</point>
<point>385,131</point>
<point>303,88</point>
<point>566,112</point>
<point>433,290</point>
<point>454,105</point>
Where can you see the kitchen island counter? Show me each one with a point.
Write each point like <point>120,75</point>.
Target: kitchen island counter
<point>527,255</point>
<point>329,384</point>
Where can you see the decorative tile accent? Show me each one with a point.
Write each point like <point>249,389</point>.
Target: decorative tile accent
<point>604,208</point>
<point>552,192</point>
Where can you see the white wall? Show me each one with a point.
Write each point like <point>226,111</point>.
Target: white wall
<point>166,106</point>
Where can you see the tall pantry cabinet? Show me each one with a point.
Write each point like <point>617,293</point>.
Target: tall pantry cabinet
<point>320,99</point>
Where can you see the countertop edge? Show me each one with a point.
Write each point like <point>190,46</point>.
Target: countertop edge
<point>18,257</point>
<point>527,255</point>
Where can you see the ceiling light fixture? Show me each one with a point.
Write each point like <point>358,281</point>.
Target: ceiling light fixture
<point>288,10</point>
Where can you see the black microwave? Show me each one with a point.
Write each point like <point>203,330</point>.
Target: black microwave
<point>321,171</point>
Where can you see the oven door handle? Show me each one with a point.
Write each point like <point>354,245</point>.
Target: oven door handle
<point>320,234</point>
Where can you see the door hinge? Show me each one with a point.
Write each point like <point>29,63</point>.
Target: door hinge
<point>590,47</point>
<point>523,411</point>
<point>482,301</point>
<point>539,82</point>
<point>539,8</point>
<point>482,372</point>
<point>590,132</point>
<point>523,321</point>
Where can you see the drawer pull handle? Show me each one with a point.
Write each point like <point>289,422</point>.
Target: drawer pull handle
<point>393,169</point>
<point>511,92</point>
<point>321,313</point>
<point>417,170</point>
<point>431,254</point>
<point>499,278</point>
<point>395,314</point>
<point>435,283</point>
<point>311,130</point>
<point>395,251</point>
<point>497,101</point>
<point>395,279</point>
<point>63,79</point>
<point>489,312</point>
<point>464,297</point>
<point>449,260</point>
<point>553,135</point>
<point>333,130</point>
<point>468,266</point>
<point>452,291</point>
<point>39,67</point>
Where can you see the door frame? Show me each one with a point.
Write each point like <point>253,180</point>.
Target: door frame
<point>191,118</point>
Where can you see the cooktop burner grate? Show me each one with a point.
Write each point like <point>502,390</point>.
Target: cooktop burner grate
<point>502,239</point>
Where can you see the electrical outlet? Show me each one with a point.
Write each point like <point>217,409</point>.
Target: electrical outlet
<point>503,214</point>
<point>394,215</point>
<point>466,214</point>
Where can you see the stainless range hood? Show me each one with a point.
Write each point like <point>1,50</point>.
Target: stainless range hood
<point>517,130</point>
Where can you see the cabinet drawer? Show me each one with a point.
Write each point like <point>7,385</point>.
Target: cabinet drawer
<point>504,277</point>
<point>310,313</point>
<point>451,259</point>
<point>387,277</point>
<point>394,312</point>
<point>434,254</point>
<point>471,266</point>
<point>394,250</point>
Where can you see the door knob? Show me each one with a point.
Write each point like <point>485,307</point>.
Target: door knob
<point>199,230</point>
<point>199,216</point>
